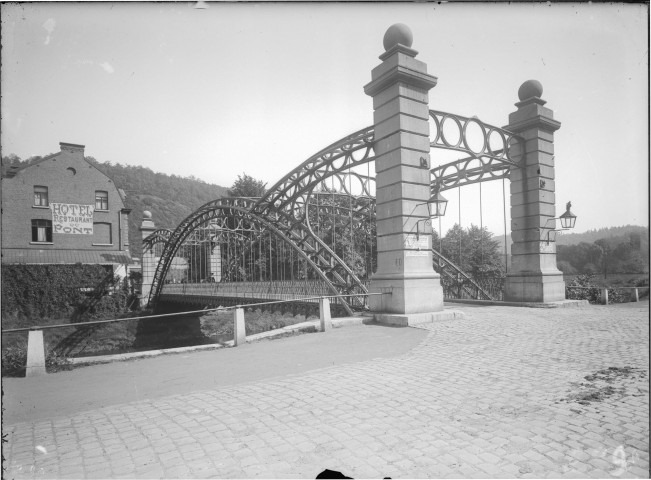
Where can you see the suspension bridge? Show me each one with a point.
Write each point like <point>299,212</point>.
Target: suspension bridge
<point>353,218</point>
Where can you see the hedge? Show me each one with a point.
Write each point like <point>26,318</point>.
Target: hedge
<point>73,292</point>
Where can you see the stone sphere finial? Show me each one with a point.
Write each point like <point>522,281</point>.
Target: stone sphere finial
<point>398,33</point>
<point>529,89</point>
<point>146,215</point>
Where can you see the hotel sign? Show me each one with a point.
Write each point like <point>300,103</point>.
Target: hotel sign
<point>72,218</point>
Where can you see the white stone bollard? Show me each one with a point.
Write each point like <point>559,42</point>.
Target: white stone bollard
<point>604,296</point>
<point>635,296</point>
<point>239,330</point>
<point>324,314</point>
<point>35,354</point>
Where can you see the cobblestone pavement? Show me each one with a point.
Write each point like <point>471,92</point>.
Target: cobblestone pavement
<point>506,392</point>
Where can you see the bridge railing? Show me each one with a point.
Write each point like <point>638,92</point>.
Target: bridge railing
<point>303,290</point>
<point>460,288</point>
<point>36,355</point>
<point>601,294</point>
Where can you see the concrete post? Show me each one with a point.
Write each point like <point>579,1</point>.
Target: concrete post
<point>239,327</point>
<point>148,262</point>
<point>604,296</point>
<point>635,297</point>
<point>399,88</point>
<point>35,354</point>
<point>534,276</point>
<point>324,314</point>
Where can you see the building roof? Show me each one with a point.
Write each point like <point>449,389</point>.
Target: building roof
<point>10,171</point>
<point>53,256</point>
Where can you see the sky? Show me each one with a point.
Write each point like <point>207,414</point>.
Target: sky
<point>258,88</point>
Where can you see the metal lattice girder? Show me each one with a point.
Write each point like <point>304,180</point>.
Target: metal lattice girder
<point>291,192</point>
<point>325,263</point>
<point>315,197</point>
<point>347,183</point>
<point>442,265</point>
<point>361,206</point>
<point>161,235</point>
<point>488,140</point>
<point>448,269</point>
<point>468,171</point>
<point>491,152</point>
<point>283,209</point>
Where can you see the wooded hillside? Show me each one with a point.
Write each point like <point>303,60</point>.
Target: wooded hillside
<point>565,238</point>
<point>169,198</point>
<point>623,249</point>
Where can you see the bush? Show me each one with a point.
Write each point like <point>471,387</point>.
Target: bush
<point>619,295</point>
<point>643,282</point>
<point>592,292</point>
<point>14,361</point>
<point>588,291</point>
<point>76,292</point>
<point>55,362</point>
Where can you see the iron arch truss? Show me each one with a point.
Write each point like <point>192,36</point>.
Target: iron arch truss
<point>287,209</point>
<point>237,214</point>
<point>160,236</point>
<point>284,210</point>
<point>490,152</point>
<point>291,193</point>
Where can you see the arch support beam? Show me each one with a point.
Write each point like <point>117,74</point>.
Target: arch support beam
<point>399,88</point>
<point>534,276</point>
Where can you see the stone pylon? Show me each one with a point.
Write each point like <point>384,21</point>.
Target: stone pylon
<point>215,263</point>
<point>399,88</point>
<point>534,276</point>
<point>148,263</point>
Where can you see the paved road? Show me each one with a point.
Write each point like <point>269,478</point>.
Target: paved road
<point>66,393</point>
<point>506,392</point>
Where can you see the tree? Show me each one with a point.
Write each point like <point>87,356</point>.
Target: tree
<point>351,237</point>
<point>247,186</point>
<point>473,250</point>
<point>566,267</point>
<point>606,250</point>
<point>11,159</point>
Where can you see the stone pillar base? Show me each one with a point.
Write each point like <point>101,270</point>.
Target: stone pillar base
<point>408,300</point>
<point>35,354</point>
<point>539,288</point>
<point>409,320</point>
<point>406,294</point>
<point>324,314</point>
<point>239,327</point>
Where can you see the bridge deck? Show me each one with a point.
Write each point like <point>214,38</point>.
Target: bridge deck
<point>280,290</point>
<point>303,295</point>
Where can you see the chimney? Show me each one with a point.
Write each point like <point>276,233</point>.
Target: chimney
<point>72,148</point>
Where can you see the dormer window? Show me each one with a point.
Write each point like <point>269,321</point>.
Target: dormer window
<point>40,196</point>
<point>101,200</point>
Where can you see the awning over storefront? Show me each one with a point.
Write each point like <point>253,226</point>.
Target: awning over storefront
<point>34,256</point>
